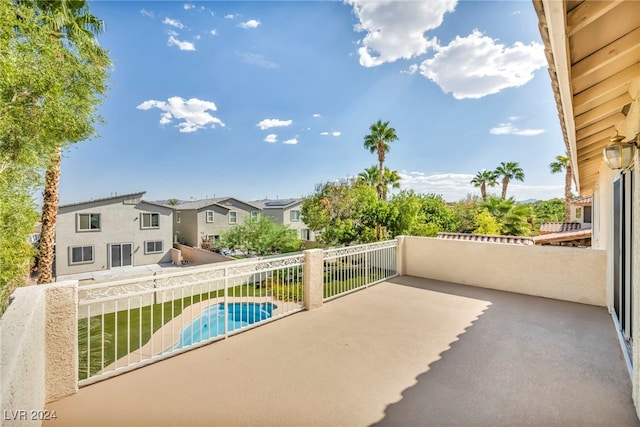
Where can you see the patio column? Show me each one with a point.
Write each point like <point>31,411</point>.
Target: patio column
<point>400,256</point>
<point>313,278</point>
<point>61,339</point>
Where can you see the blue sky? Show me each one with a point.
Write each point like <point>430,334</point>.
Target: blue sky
<point>267,99</point>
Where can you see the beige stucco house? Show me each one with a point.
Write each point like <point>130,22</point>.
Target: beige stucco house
<point>287,212</point>
<point>593,50</point>
<point>581,211</point>
<point>206,219</point>
<point>111,232</point>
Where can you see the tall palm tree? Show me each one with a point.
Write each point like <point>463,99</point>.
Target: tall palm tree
<point>509,171</point>
<point>70,22</point>
<point>484,179</point>
<point>378,142</point>
<point>563,163</point>
<point>389,179</point>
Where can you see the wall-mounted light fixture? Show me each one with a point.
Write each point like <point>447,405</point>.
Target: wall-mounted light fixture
<point>618,154</point>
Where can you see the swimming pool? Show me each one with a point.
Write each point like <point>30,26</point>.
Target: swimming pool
<point>211,322</point>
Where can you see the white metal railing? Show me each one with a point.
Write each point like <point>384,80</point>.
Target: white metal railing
<point>129,323</point>
<point>354,267</point>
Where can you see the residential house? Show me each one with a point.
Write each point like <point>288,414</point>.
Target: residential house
<point>206,219</point>
<point>593,50</point>
<point>287,212</point>
<point>117,231</point>
<point>581,211</point>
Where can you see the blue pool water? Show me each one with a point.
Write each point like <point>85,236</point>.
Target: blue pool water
<point>211,322</point>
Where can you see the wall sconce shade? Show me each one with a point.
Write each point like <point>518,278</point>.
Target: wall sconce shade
<point>618,154</point>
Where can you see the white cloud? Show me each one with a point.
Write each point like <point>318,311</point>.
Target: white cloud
<point>173,22</point>
<point>229,16</point>
<point>395,29</point>
<point>324,133</point>
<point>316,116</point>
<point>271,138</point>
<point>336,133</point>
<point>145,12</point>
<point>476,65</point>
<point>509,129</point>
<point>173,41</point>
<point>514,118</point>
<point>257,59</point>
<point>188,6</point>
<point>252,23</point>
<point>412,69</point>
<point>197,37</point>
<point>291,141</point>
<point>213,32</point>
<point>273,123</point>
<point>455,186</point>
<point>192,114</point>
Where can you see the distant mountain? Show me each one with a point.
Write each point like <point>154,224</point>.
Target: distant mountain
<point>528,201</point>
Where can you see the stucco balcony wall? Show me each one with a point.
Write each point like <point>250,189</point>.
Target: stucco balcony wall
<point>568,274</point>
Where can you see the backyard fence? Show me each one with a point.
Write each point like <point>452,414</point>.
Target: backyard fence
<point>129,323</point>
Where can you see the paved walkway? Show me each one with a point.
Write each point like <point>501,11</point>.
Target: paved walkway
<point>410,352</point>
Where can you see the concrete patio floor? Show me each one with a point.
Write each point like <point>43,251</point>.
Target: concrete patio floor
<point>408,352</point>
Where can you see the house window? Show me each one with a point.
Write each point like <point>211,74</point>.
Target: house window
<point>89,222</point>
<point>80,254</point>
<point>304,234</point>
<point>209,216</point>
<point>254,214</point>
<point>294,216</point>
<point>213,238</point>
<point>578,213</point>
<point>233,217</point>
<point>178,217</point>
<point>153,246</point>
<point>150,220</point>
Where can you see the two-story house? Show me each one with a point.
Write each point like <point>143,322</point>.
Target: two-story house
<point>111,232</point>
<point>206,219</point>
<point>287,212</point>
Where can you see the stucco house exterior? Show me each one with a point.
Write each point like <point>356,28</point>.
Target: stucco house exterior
<point>287,212</point>
<point>111,232</point>
<point>593,51</point>
<point>581,211</point>
<point>206,219</point>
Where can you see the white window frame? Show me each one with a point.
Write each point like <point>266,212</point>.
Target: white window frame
<point>155,242</point>
<point>78,228</point>
<point>150,227</point>
<point>93,255</point>
<point>178,217</point>
<point>291,218</point>
<point>305,234</point>
<point>207,214</point>
<point>235,217</point>
<point>254,214</point>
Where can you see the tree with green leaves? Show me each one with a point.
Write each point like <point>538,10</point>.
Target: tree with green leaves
<point>563,164</point>
<point>378,141</point>
<point>509,171</point>
<point>260,236</point>
<point>421,215</point>
<point>513,217</point>
<point>487,224</point>
<point>75,29</point>
<point>345,212</point>
<point>389,179</point>
<point>483,179</point>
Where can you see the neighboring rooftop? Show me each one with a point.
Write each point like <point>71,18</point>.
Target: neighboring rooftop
<point>275,203</point>
<point>512,240</point>
<point>559,227</point>
<point>115,196</point>
<point>582,201</point>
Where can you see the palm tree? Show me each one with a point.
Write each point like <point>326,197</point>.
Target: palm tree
<point>509,171</point>
<point>70,20</point>
<point>563,163</point>
<point>389,178</point>
<point>378,142</point>
<point>484,179</point>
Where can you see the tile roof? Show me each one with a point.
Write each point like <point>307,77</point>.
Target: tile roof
<point>582,201</point>
<point>119,196</point>
<point>275,203</point>
<point>562,237</point>
<point>559,227</point>
<point>512,240</point>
